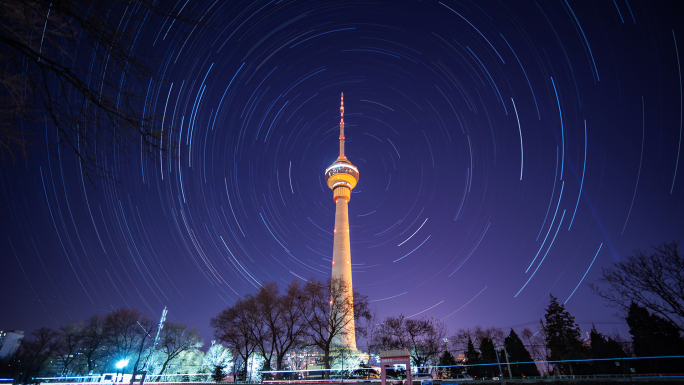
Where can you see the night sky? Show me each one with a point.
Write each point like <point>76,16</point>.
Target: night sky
<point>506,151</point>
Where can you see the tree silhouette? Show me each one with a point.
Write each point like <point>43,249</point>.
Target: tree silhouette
<point>472,357</point>
<point>488,355</point>
<point>218,375</point>
<point>423,338</point>
<point>86,67</point>
<point>69,345</point>
<point>563,337</point>
<point>446,359</point>
<point>234,326</point>
<point>518,353</point>
<point>34,352</point>
<point>326,308</point>
<point>175,339</point>
<point>654,281</point>
<point>602,348</point>
<point>654,336</point>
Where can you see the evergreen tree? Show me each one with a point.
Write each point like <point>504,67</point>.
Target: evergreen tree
<point>602,347</point>
<point>654,336</point>
<point>472,357</point>
<point>218,375</point>
<point>488,353</point>
<point>563,338</point>
<point>447,360</point>
<point>517,353</point>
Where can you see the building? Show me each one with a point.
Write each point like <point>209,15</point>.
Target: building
<point>342,177</point>
<point>10,341</point>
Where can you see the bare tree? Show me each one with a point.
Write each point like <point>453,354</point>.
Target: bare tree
<point>234,326</point>
<point>86,67</point>
<point>69,341</point>
<point>34,352</point>
<point>535,342</point>
<point>654,281</point>
<point>285,319</point>
<point>326,308</point>
<point>459,341</point>
<point>373,327</point>
<point>94,336</point>
<point>145,339</point>
<point>125,338</point>
<point>424,338</point>
<point>266,310</point>
<point>493,333</point>
<point>175,339</point>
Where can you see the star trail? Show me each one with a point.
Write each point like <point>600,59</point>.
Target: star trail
<point>517,147</point>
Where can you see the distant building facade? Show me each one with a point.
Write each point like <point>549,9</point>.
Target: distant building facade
<point>10,341</point>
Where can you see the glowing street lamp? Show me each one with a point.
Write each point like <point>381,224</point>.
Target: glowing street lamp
<point>120,365</point>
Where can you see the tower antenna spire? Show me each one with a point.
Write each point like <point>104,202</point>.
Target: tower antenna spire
<point>342,127</point>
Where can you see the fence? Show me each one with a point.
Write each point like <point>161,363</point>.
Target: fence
<point>631,368</point>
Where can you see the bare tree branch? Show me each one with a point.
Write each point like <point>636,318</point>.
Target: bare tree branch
<point>89,70</point>
<point>654,281</point>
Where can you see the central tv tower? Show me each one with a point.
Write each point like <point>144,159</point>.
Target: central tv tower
<point>342,177</point>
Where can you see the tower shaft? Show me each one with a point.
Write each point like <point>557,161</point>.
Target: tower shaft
<point>341,269</point>
<point>342,177</point>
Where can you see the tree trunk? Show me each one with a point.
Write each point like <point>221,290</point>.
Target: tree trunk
<point>137,361</point>
<point>267,364</point>
<point>163,368</point>
<point>279,365</point>
<point>326,363</point>
<point>90,363</point>
<point>245,362</point>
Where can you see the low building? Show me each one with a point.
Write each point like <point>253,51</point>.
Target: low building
<point>10,341</point>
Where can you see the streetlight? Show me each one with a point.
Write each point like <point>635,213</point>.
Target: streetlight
<point>120,365</point>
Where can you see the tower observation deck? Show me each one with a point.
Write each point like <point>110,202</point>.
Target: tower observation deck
<point>342,177</point>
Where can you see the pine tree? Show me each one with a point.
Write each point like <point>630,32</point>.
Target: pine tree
<point>654,336</point>
<point>447,360</point>
<point>517,353</point>
<point>218,375</point>
<point>563,338</point>
<point>472,357</point>
<point>488,353</point>
<point>602,348</point>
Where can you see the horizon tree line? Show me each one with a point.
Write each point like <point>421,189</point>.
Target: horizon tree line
<point>79,348</point>
<point>270,327</point>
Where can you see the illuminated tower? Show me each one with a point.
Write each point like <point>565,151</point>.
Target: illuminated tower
<point>342,177</point>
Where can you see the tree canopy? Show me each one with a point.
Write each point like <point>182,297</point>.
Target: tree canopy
<point>654,281</point>
<point>488,354</point>
<point>91,347</point>
<point>326,309</point>
<point>518,353</point>
<point>273,324</point>
<point>447,364</point>
<point>423,338</point>
<point>473,359</point>
<point>234,326</point>
<point>603,347</point>
<point>562,337</point>
<point>654,336</point>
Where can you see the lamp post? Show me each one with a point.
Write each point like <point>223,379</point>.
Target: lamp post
<point>120,365</point>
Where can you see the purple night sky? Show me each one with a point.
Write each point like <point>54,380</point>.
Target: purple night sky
<point>506,151</point>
